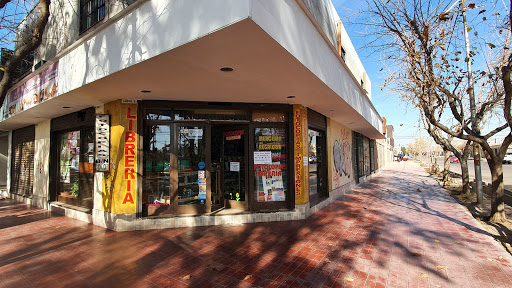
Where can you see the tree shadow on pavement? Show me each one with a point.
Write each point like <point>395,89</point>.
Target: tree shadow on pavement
<point>363,239</point>
<point>20,214</point>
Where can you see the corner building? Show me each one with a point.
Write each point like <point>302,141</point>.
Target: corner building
<point>178,113</point>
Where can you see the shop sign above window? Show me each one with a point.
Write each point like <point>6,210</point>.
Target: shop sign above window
<point>35,90</point>
<point>102,157</point>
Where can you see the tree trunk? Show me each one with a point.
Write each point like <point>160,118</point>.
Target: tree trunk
<point>497,200</point>
<point>466,189</point>
<point>446,168</point>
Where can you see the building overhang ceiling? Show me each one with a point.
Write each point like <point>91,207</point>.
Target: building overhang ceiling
<point>263,72</point>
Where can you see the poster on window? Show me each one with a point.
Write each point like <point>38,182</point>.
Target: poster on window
<point>234,166</point>
<point>202,194</point>
<point>273,188</point>
<point>193,133</point>
<point>262,157</point>
<point>270,164</point>
<point>65,170</point>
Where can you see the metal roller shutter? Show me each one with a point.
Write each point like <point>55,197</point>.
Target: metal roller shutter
<point>317,120</point>
<point>22,161</point>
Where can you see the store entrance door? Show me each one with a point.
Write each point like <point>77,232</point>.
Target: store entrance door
<point>229,165</point>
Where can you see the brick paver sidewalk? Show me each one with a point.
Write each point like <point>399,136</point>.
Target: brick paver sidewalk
<point>400,229</point>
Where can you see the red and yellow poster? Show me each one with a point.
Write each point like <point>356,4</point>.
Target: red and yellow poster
<point>300,150</point>
<point>120,184</point>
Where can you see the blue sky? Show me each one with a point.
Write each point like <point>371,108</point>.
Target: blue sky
<point>387,105</point>
<point>404,119</point>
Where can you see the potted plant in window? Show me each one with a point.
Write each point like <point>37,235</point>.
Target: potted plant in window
<point>75,188</point>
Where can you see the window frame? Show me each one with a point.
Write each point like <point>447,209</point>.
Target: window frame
<point>95,11</point>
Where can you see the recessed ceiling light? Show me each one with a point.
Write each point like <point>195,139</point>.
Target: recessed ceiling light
<point>290,97</point>
<point>226,69</point>
<point>66,107</point>
<point>145,91</point>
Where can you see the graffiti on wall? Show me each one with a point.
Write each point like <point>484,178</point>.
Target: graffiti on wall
<point>342,157</point>
<point>342,161</point>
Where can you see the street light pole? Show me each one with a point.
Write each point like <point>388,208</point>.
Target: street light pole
<point>472,105</point>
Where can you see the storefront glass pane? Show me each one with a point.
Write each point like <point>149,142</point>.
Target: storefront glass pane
<point>86,167</point>
<point>157,147</point>
<point>68,163</point>
<point>269,116</point>
<point>191,165</point>
<point>315,144</point>
<point>210,114</point>
<point>270,164</point>
<point>75,175</point>
<point>158,114</point>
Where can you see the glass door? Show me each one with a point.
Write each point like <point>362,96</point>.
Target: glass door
<point>316,142</point>
<point>234,162</point>
<point>192,193</point>
<point>156,198</point>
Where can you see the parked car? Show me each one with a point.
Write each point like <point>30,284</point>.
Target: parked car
<point>508,158</point>
<point>454,159</point>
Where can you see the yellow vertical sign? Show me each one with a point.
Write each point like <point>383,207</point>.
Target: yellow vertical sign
<point>300,154</point>
<point>120,184</point>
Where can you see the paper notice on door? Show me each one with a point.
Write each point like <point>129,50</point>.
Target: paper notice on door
<point>234,166</point>
<point>262,157</point>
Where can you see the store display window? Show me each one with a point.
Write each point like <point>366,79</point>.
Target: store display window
<point>75,170</point>
<point>270,164</point>
<point>202,157</point>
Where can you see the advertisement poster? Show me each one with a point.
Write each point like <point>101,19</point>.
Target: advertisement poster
<point>234,135</point>
<point>74,164</point>
<point>65,171</point>
<point>234,166</point>
<point>201,181</point>
<point>35,90</point>
<point>273,188</point>
<point>262,157</point>
<point>192,133</point>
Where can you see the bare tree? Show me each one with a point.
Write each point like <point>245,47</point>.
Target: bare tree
<point>28,34</point>
<point>419,37</point>
<point>463,154</point>
<point>418,147</point>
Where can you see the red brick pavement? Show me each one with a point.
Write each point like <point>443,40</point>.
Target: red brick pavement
<point>400,229</point>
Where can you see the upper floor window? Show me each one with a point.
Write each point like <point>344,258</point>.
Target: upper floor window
<point>342,52</point>
<point>91,11</point>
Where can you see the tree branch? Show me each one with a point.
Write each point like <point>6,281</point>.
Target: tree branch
<point>24,50</point>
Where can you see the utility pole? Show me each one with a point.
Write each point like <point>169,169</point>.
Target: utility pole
<point>474,126</point>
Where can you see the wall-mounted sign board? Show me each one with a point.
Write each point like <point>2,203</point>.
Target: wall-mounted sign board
<point>102,153</point>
